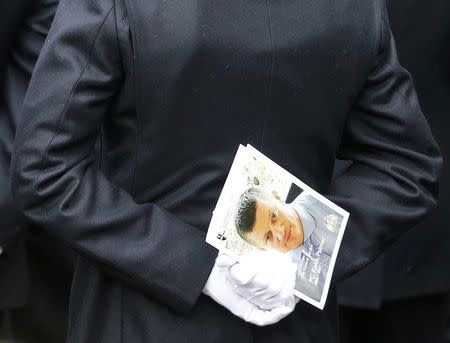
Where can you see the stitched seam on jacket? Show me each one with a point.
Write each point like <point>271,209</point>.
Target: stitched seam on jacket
<point>119,48</point>
<point>128,6</point>
<point>66,106</point>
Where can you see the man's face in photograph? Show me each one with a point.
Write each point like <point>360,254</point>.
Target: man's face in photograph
<point>276,226</point>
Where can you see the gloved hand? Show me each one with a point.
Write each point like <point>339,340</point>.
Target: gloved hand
<point>265,278</point>
<point>220,289</point>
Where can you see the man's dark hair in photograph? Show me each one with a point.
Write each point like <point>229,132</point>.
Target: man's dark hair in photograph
<point>246,211</point>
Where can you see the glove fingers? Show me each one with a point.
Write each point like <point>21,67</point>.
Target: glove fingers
<point>263,280</point>
<point>262,317</point>
<point>291,302</point>
<point>241,274</point>
<point>259,317</point>
<point>255,298</point>
<point>288,284</point>
<point>277,299</point>
<point>269,289</point>
<point>282,288</point>
<point>223,260</point>
<point>282,299</point>
<point>254,289</point>
<point>261,303</point>
<point>274,286</point>
<point>271,304</point>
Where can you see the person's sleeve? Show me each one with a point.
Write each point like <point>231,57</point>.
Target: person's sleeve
<point>392,182</point>
<point>29,38</point>
<point>58,185</point>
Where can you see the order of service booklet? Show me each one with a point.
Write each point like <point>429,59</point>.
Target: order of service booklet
<point>264,207</point>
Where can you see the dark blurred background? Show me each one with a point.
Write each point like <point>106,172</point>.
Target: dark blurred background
<point>11,17</point>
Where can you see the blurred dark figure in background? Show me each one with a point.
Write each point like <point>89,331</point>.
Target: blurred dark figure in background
<point>402,297</point>
<point>35,273</point>
<point>13,278</point>
<point>12,14</point>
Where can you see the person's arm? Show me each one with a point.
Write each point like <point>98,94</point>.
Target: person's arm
<point>392,182</point>
<point>57,184</point>
<point>29,36</point>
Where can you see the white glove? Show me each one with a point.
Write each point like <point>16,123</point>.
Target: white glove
<point>220,289</point>
<point>265,278</point>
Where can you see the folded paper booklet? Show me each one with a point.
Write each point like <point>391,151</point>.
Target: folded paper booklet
<point>264,207</point>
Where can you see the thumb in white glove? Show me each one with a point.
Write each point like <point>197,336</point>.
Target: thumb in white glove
<point>220,289</point>
<point>265,278</point>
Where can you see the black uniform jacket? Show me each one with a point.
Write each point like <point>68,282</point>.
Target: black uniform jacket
<point>418,263</point>
<point>173,87</point>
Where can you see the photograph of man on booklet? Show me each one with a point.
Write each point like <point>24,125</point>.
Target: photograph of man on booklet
<point>264,220</point>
